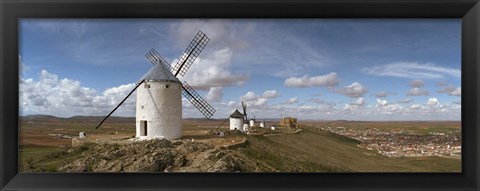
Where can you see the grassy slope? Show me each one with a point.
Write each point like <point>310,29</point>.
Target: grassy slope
<point>48,158</point>
<point>314,150</point>
<point>31,153</point>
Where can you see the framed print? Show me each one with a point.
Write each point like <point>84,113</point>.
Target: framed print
<point>239,95</point>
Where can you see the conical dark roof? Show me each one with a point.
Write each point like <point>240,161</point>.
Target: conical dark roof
<point>159,73</point>
<point>236,114</point>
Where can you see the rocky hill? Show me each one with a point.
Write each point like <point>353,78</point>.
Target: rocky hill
<point>157,156</point>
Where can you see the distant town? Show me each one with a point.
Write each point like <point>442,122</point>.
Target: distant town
<point>404,143</point>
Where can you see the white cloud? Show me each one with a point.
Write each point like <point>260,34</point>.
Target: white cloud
<point>417,83</point>
<point>357,104</point>
<point>66,97</point>
<point>360,101</point>
<point>252,100</point>
<point>187,104</point>
<point>405,100</point>
<point>416,107</point>
<point>118,93</point>
<point>354,90</point>
<point>385,108</point>
<point>381,102</point>
<point>351,107</point>
<point>292,100</point>
<point>48,79</point>
<point>388,108</point>
<point>328,80</point>
<point>231,103</point>
<point>260,102</point>
<point>213,70</point>
<point>257,103</point>
<point>215,94</point>
<point>393,107</point>
<point>383,94</point>
<point>456,92</point>
<point>270,94</point>
<point>451,90</point>
<point>413,70</point>
<point>432,102</point>
<point>417,92</point>
<point>250,96</point>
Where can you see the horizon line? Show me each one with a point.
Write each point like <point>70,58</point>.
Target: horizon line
<point>400,120</point>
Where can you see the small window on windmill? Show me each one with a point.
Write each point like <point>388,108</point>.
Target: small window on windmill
<point>166,86</point>
<point>147,85</point>
<point>142,107</point>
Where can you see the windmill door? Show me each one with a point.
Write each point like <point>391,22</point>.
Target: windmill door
<point>143,128</point>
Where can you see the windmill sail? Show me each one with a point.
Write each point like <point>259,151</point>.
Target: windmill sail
<point>197,101</point>
<point>244,106</point>
<point>186,60</point>
<point>155,58</point>
<point>191,53</point>
<point>119,104</point>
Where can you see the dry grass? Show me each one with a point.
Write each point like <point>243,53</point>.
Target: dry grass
<point>314,150</point>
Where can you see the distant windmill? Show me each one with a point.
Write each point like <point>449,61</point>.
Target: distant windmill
<point>159,103</point>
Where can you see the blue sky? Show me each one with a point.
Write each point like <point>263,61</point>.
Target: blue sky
<point>354,69</point>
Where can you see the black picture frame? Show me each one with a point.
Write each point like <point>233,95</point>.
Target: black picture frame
<point>12,10</point>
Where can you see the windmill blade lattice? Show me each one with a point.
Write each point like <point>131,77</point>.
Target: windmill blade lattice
<point>191,53</point>
<point>155,58</point>
<point>197,101</point>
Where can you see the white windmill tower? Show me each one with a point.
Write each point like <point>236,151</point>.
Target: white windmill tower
<point>159,102</point>
<point>159,105</point>
<point>236,121</point>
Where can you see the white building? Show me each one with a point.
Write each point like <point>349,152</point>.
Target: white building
<point>262,124</point>
<point>236,121</point>
<point>159,105</point>
<point>252,122</point>
<point>245,127</point>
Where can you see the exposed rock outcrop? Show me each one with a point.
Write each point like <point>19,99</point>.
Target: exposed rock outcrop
<point>157,156</point>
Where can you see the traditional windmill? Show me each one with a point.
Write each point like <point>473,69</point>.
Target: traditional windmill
<point>237,121</point>
<point>159,102</point>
